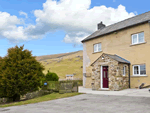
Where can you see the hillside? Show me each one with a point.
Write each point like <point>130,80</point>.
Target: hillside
<point>64,63</point>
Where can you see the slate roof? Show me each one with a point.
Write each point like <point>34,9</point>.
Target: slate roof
<point>118,58</point>
<point>115,57</point>
<point>139,19</point>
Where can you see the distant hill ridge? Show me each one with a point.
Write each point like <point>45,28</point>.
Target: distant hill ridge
<point>53,56</point>
<point>63,64</point>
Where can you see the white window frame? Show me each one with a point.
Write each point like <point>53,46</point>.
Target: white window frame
<point>124,70</point>
<point>97,47</point>
<point>137,38</point>
<point>139,70</point>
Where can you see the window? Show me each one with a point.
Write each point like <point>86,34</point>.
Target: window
<point>139,69</point>
<point>124,70</point>
<point>97,47</point>
<point>138,38</point>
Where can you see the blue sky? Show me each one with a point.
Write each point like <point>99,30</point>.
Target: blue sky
<point>51,27</point>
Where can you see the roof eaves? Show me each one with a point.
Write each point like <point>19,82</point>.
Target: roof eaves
<point>126,61</point>
<point>84,40</point>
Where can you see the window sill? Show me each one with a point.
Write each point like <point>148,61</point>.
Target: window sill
<point>97,52</point>
<point>138,44</point>
<point>139,76</point>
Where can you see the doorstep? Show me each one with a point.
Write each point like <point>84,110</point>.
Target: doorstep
<point>103,89</point>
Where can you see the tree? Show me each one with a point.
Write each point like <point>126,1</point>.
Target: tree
<point>51,76</point>
<point>20,73</point>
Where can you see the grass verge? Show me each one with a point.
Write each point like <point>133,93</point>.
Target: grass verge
<point>51,96</point>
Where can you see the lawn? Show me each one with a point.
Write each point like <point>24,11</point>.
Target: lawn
<point>41,99</point>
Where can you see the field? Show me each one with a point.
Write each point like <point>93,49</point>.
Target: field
<point>64,63</point>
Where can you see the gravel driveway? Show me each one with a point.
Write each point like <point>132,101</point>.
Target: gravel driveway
<point>86,103</point>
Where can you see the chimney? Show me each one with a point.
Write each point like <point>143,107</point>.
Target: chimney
<point>101,26</point>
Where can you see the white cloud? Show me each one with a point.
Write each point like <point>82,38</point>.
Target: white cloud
<point>23,13</point>
<point>7,22</point>
<point>73,16</point>
<point>75,37</point>
<point>11,27</point>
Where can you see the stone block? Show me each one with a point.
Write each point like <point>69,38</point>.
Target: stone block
<point>92,77</point>
<point>117,73</point>
<point>119,78</point>
<point>97,84</point>
<point>116,86</point>
<point>113,73</point>
<point>112,79</point>
<point>99,80</point>
<point>93,69</point>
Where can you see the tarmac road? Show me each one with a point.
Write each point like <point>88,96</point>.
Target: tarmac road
<point>86,103</point>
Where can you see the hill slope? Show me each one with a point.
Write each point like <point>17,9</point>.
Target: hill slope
<point>64,63</point>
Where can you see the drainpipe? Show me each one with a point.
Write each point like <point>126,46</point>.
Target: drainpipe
<point>129,74</point>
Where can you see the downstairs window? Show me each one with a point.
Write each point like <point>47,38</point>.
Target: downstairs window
<point>139,70</point>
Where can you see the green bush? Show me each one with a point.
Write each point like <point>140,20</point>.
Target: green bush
<point>51,76</point>
<point>20,73</point>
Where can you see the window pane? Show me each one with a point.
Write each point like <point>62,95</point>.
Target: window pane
<point>142,70</point>
<point>141,37</point>
<point>99,47</point>
<point>136,70</point>
<point>134,39</point>
<point>95,48</point>
<point>124,70</point>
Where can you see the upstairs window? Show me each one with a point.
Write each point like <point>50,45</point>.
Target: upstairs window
<point>138,38</point>
<point>97,47</point>
<point>139,70</point>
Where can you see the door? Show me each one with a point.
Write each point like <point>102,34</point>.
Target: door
<point>105,76</point>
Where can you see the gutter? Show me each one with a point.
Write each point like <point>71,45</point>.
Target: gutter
<point>129,74</point>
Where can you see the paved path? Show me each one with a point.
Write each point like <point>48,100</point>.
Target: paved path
<point>127,92</point>
<point>86,103</point>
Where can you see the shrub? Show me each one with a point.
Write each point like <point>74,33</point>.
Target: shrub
<point>51,76</point>
<point>20,73</point>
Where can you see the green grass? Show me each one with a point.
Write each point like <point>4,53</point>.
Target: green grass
<point>41,99</point>
<point>65,66</point>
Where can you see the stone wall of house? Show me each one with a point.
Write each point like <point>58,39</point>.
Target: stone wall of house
<point>123,81</point>
<point>115,72</point>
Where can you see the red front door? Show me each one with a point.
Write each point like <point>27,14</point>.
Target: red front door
<point>105,76</point>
